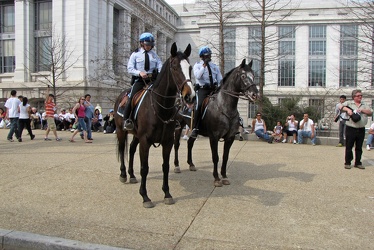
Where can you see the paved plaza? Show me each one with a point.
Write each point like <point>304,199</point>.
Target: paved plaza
<point>62,195</point>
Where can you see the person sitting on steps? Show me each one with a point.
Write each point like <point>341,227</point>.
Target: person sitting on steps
<point>208,77</point>
<point>143,65</point>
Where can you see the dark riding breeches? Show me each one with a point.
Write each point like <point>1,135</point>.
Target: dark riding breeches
<point>138,85</point>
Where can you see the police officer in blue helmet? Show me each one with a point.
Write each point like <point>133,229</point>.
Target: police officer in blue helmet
<point>143,65</point>
<point>208,78</point>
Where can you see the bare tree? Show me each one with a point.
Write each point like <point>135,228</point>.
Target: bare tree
<point>220,12</point>
<point>268,13</point>
<point>361,12</point>
<point>52,62</point>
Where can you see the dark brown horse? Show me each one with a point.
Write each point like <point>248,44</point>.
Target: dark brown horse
<point>154,120</point>
<point>221,118</point>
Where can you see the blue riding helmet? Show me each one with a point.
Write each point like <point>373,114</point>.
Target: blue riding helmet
<point>204,51</point>
<point>147,39</point>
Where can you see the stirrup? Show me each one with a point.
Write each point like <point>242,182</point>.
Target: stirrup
<point>128,125</point>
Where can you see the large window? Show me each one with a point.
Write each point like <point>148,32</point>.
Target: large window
<point>230,45</point>
<point>43,54</point>
<point>286,55</point>
<point>7,37</point>
<point>254,51</point>
<point>317,56</point>
<point>7,17</point>
<point>43,40</point>
<point>348,56</point>
<point>43,15</point>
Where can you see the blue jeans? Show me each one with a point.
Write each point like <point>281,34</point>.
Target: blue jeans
<point>301,134</point>
<point>88,126</point>
<point>261,133</point>
<point>13,128</point>
<point>370,139</point>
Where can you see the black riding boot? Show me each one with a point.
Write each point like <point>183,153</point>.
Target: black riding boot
<point>127,124</point>
<point>196,122</point>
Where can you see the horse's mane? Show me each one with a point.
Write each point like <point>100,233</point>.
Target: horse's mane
<point>179,55</point>
<point>227,75</point>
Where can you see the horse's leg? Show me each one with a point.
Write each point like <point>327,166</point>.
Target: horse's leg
<point>226,151</point>
<point>166,150</point>
<point>133,145</point>
<point>190,143</point>
<point>177,137</point>
<point>144,169</point>
<point>214,148</point>
<point>121,147</point>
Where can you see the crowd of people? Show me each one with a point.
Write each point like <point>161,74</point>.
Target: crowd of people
<point>82,118</point>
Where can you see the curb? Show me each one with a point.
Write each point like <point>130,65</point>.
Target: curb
<point>16,240</point>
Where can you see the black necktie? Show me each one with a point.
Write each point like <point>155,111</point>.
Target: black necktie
<point>146,61</point>
<point>210,74</point>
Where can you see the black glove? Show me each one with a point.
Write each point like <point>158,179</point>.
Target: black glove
<point>197,87</point>
<point>207,60</point>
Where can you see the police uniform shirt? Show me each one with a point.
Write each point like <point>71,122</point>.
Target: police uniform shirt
<point>202,74</point>
<point>137,60</point>
<point>364,117</point>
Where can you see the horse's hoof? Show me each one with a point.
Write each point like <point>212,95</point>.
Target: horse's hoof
<point>169,201</point>
<point>192,168</point>
<point>177,170</point>
<point>225,181</point>
<point>148,204</point>
<point>133,180</point>
<point>218,184</point>
<point>122,179</point>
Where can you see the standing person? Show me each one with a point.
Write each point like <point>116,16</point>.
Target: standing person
<point>307,130</point>
<point>12,114</point>
<point>355,127</point>
<point>259,127</point>
<point>341,118</point>
<point>370,137</point>
<point>82,125</point>
<point>89,115</point>
<point>208,77</point>
<point>144,65</point>
<point>290,128</point>
<point>50,108</point>
<point>24,119</point>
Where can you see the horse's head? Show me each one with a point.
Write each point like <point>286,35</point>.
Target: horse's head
<point>248,87</point>
<point>181,71</point>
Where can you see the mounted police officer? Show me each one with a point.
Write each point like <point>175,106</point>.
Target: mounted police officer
<point>144,65</point>
<point>208,77</point>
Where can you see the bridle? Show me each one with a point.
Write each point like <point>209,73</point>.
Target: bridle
<point>243,93</point>
<point>179,87</point>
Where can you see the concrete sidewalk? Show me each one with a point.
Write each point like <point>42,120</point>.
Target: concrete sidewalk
<point>62,195</point>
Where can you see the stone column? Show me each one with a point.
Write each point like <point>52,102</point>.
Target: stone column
<point>23,40</point>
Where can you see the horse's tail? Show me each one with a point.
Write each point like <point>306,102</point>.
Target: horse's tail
<point>122,145</point>
<point>121,134</point>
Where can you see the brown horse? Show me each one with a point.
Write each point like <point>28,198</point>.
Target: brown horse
<point>220,118</point>
<point>154,120</point>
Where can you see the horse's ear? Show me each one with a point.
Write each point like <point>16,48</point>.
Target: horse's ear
<point>187,52</point>
<point>250,64</point>
<point>242,65</point>
<point>174,49</point>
